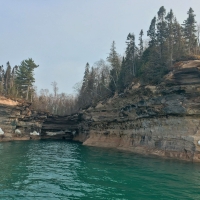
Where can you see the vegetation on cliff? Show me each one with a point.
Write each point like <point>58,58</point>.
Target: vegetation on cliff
<point>168,42</point>
<point>18,81</point>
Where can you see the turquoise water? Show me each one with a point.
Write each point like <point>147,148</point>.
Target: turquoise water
<point>65,170</point>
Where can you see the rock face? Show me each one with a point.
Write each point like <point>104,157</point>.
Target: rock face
<point>161,120</point>
<point>61,127</point>
<point>18,122</point>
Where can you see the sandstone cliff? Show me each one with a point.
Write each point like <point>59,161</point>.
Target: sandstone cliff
<point>18,122</point>
<point>161,120</point>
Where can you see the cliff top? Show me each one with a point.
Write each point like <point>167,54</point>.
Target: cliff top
<point>6,101</point>
<point>187,64</point>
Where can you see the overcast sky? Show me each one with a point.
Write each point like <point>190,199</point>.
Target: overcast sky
<point>62,35</point>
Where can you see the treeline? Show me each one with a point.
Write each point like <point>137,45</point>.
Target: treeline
<point>54,103</point>
<point>93,87</point>
<point>18,81</point>
<point>168,41</point>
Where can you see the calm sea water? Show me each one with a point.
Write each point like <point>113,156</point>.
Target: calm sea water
<point>66,170</point>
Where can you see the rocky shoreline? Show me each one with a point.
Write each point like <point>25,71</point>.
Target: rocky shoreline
<point>162,120</point>
<point>19,122</point>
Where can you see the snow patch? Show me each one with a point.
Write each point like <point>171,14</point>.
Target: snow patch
<point>34,133</point>
<point>17,131</point>
<point>1,132</point>
<point>55,133</point>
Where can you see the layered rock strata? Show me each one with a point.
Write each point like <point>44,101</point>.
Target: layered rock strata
<point>18,122</point>
<point>161,120</point>
<point>61,127</point>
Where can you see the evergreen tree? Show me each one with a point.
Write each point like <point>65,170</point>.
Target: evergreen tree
<point>151,57</point>
<point>12,91</point>
<point>170,33</point>
<point>86,76</point>
<point>103,90</point>
<point>189,29</point>
<point>91,84</point>
<point>152,32</point>
<point>114,61</point>
<point>7,78</point>
<point>128,66</point>
<point>161,32</point>
<point>121,84</point>
<point>130,57</point>
<point>1,80</point>
<point>141,47</point>
<point>179,43</point>
<point>25,78</point>
<point>84,93</point>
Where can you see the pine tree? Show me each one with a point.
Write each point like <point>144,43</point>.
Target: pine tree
<point>141,47</point>
<point>179,43</point>
<point>7,78</point>
<point>189,29</point>
<point>1,80</point>
<point>151,69</point>
<point>103,90</point>
<point>86,76</point>
<point>130,56</point>
<point>170,33</point>
<point>13,91</point>
<point>91,84</point>
<point>114,61</point>
<point>161,32</point>
<point>121,84</point>
<point>128,67</point>
<point>152,32</point>
<point>25,78</point>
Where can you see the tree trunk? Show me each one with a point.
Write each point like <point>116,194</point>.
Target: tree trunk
<point>27,93</point>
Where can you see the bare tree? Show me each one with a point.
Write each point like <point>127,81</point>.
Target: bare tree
<point>55,88</point>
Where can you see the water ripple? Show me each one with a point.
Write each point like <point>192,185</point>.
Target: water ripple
<point>64,170</point>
